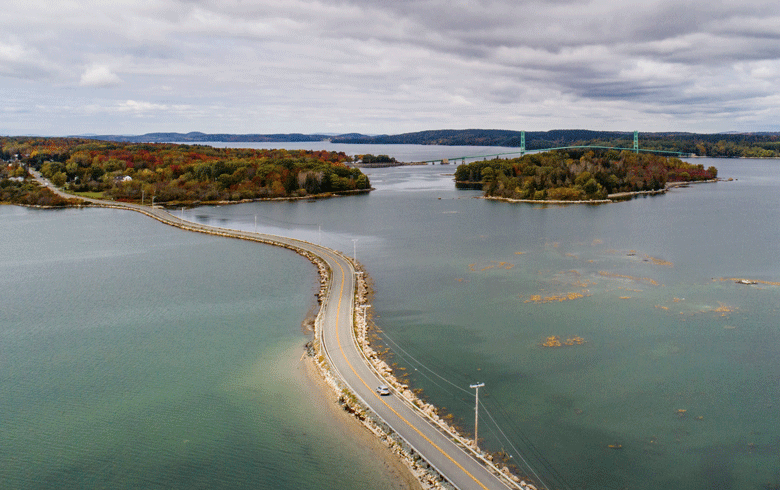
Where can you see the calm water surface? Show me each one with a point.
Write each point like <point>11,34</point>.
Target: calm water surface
<point>678,370</point>
<point>135,355</point>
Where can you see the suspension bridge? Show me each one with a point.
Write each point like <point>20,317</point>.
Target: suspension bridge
<point>522,151</point>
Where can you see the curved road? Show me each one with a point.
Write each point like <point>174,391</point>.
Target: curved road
<point>459,467</point>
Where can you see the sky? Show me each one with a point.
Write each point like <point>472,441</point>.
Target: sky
<point>387,66</point>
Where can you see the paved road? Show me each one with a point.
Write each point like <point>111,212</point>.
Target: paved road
<point>458,466</point>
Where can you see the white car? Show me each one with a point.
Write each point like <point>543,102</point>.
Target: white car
<point>383,390</point>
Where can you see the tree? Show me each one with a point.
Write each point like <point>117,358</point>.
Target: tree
<point>488,175</point>
<point>59,179</point>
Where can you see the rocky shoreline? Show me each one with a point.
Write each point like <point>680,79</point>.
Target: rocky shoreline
<point>611,198</point>
<point>428,477</point>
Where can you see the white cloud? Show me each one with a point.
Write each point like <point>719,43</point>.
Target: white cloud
<point>99,76</point>
<point>141,107</point>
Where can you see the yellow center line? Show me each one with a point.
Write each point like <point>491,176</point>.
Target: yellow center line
<point>338,340</point>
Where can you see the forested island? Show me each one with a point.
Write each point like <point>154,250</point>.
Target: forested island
<point>578,175</point>
<point>169,174</point>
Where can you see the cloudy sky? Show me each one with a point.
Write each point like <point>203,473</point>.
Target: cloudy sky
<point>390,66</point>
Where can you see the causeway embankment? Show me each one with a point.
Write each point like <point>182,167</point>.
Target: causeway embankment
<point>437,455</point>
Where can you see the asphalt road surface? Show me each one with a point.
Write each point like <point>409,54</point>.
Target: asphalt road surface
<point>457,465</point>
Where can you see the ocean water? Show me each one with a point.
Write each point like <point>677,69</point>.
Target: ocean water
<point>675,382</point>
<point>136,355</point>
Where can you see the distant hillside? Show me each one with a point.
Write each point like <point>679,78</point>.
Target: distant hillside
<point>485,137</point>
<point>765,145</point>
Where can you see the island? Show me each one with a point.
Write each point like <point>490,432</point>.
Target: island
<point>579,175</point>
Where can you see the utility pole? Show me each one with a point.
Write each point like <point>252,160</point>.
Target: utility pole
<point>354,249</point>
<point>476,412</point>
<point>255,223</point>
<point>142,197</point>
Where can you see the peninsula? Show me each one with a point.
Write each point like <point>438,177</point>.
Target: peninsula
<point>173,174</point>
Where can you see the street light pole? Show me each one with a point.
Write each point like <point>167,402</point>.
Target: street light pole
<point>476,411</point>
<point>354,249</point>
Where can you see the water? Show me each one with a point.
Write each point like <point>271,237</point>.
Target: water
<point>402,153</point>
<point>136,355</point>
<point>678,368</point>
<point>106,380</point>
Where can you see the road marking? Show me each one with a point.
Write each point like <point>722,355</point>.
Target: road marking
<point>338,340</point>
<point>210,229</point>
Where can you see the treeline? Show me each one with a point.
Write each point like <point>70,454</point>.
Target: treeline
<point>183,173</point>
<point>369,158</point>
<point>198,137</point>
<point>578,174</point>
<point>756,145</point>
<point>751,145</point>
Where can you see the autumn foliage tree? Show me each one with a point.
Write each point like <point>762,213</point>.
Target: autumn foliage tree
<point>578,174</point>
<point>186,173</point>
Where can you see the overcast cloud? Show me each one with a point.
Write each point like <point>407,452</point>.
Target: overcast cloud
<point>390,66</point>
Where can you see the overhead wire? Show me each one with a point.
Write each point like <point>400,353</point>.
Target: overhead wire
<point>422,368</point>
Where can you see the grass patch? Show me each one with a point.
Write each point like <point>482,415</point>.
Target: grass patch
<point>90,195</point>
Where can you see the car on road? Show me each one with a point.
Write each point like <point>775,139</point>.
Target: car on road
<point>383,390</point>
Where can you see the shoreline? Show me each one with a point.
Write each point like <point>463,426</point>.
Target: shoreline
<point>399,475</point>
<point>428,477</point>
<point>611,198</point>
<point>374,359</point>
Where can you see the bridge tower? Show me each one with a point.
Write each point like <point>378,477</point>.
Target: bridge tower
<point>636,141</point>
<point>522,143</point>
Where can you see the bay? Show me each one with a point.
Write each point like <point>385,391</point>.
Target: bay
<point>104,373</point>
<point>136,355</point>
<point>676,381</point>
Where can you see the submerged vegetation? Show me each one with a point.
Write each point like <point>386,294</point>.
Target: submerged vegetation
<point>575,175</point>
<point>172,173</point>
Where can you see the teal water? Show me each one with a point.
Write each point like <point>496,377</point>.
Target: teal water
<point>678,366</point>
<point>136,355</point>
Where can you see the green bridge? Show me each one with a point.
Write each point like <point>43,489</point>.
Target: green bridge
<point>522,151</point>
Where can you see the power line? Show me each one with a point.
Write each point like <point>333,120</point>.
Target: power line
<point>422,368</point>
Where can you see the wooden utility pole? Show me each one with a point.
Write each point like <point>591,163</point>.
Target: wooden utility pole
<point>476,412</point>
